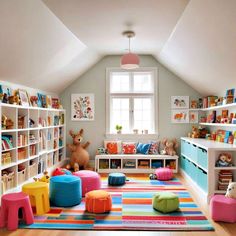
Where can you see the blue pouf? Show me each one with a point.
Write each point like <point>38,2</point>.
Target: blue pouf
<point>65,190</point>
<point>116,179</point>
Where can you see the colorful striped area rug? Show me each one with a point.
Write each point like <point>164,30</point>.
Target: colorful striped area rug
<point>132,210</point>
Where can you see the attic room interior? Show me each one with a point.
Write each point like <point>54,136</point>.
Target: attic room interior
<point>118,117</point>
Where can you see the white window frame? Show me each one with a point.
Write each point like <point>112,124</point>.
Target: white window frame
<point>139,95</point>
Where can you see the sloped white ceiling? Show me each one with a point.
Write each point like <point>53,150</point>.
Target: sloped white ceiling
<point>36,49</point>
<point>202,48</point>
<point>47,44</point>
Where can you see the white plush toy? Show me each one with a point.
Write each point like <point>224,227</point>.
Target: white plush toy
<point>231,190</point>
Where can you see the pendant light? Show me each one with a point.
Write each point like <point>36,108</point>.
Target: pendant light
<point>130,60</point>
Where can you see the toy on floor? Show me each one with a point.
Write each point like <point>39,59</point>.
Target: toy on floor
<point>231,190</point>
<point>224,160</point>
<point>45,178</point>
<point>170,146</point>
<point>79,155</point>
<point>152,176</point>
<point>61,171</point>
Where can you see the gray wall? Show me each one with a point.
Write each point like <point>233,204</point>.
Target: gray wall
<point>94,81</point>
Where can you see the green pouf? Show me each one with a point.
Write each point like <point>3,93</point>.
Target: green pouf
<point>165,202</point>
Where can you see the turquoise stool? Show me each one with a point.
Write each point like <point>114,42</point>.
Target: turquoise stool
<point>116,179</point>
<point>65,190</point>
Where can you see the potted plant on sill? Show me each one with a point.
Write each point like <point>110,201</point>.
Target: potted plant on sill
<point>118,129</point>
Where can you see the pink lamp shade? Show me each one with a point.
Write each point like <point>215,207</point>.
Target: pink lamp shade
<point>130,61</point>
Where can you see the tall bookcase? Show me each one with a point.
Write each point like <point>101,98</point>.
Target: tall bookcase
<point>32,141</point>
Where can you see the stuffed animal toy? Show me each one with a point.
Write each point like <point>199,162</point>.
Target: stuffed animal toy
<point>231,190</point>
<point>45,178</point>
<point>195,133</point>
<point>224,160</point>
<point>79,156</point>
<point>61,171</point>
<point>152,176</point>
<point>170,146</point>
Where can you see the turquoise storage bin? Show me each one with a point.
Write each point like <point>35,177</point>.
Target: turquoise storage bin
<point>183,163</point>
<point>183,147</point>
<point>193,152</point>
<point>202,179</point>
<point>187,149</point>
<point>188,167</point>
<point>202,158</point>
<point>193,171</point>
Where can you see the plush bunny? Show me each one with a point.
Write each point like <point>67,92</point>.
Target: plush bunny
<point>231,190</point>
<point>79,156</point>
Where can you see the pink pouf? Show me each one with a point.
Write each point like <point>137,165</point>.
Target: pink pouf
<point>164,173</point>
<point>223,208</point>
<point>90,180</point>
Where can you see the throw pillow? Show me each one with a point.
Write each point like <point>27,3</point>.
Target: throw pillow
<point>128,148</point>
<point>154,148</point>
<point>143,148</point>
<point>113,147</point>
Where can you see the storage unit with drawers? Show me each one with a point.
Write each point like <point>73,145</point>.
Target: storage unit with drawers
<point>198,164</point>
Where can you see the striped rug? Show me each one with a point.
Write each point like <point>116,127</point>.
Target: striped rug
<point>132,210</point>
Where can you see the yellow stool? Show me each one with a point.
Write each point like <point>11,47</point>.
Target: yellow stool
<point>39,197</point>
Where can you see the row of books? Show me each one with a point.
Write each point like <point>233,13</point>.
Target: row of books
<point>22,140</point>
<point>7,142</point>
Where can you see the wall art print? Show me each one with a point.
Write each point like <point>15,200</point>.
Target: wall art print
<point>82,107</point>
<point>179,102</point>
<point>180,116</point>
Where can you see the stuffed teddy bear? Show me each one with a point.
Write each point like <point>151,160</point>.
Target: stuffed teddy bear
<point>170,146</point>
<point>231,190</point>
<point>195,133</point>
<point>79,156</point>
<point>224,160</point>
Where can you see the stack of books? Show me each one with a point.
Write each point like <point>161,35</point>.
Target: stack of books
<point>32,138</point>
<point>225,176</point>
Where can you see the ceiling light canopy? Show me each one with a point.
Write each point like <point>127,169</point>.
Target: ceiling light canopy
<point>130,60</point>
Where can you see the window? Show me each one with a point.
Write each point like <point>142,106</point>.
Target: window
<point>132,100</point>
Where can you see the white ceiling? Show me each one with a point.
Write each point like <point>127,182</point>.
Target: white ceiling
<point>49,43</point>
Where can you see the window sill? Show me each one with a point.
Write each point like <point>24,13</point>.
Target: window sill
<point>134,137</point>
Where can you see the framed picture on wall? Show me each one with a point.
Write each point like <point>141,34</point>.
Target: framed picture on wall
<point>82,107</point>
<point>193,117</point>
<point>179,116</point>
<point>179,102</point>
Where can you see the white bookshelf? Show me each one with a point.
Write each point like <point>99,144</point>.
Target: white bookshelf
<point>190,150</point>
<point>45,152</point>
<point>103,163</point>
<point>219,124</point>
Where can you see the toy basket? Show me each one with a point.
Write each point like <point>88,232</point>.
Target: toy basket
<point>21,176</point>
<point>8,179</point>
<point>33,170</point>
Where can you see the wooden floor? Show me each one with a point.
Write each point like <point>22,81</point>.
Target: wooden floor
<point>221,229</point>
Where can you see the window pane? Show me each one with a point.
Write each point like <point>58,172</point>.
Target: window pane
<point>120,82</point>
<point>143,82</point>
<point>120,114</point>
<point>143,114</point>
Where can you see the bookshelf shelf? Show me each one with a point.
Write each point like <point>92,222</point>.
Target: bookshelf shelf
<point>231,105</point>
<point>218,124</point>
<point>29,140</point>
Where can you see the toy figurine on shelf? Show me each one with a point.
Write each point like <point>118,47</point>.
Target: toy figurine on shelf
<point>195,133</point>
<point>224,160</point>
<point>34,101</point>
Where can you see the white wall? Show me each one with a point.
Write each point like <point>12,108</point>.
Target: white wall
<point>93,81</point>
